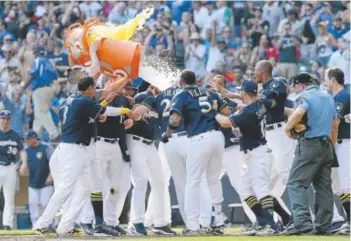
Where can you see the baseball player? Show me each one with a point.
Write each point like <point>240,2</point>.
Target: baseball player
<point>282,146</point>
<point>257,156</point>
<point>10,147</point>
<point>146,165</point>
<point>198,106</point>
<point>334,79</point>
<point>40,187</point>
<point>70,166</point>
<point>173,153</point>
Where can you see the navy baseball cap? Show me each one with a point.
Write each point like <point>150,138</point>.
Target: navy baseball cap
<point>5,114</point>
<point>302,78</point>
<point>129,86</point>
<point>40,51</point>
<point>31,134</point>
<point>249,86</point>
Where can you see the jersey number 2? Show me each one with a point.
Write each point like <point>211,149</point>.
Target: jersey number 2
<point>65,109</point>
<point>167,109</point>
<point>204,104</point>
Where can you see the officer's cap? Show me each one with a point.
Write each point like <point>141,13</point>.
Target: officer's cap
<point>5,114</point>
<point>31,134</point>
<point>302,78</point>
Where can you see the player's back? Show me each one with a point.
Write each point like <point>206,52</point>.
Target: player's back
<point>342,104</point>
<point>78,114</point>
<point>198,107</point>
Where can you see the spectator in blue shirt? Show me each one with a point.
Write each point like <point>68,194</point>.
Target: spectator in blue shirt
<point>337,29</point>
<point>41,83</point>
<point>59,59</point>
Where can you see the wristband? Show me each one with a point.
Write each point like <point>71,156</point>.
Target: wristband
<point>124,111</point>
<point>104,103</point>
<point>172,127</point>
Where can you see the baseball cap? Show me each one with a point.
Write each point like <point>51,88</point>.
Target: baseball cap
<point>5,114</point>
<point>249,86</point>
<point>40,51</point>
<point>129,86</point>
<point>31,134</point>
<point>302,78</point>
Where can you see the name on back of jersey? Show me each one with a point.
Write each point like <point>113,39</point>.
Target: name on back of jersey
<point>198,92</point>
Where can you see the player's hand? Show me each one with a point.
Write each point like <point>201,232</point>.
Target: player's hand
<point>164,138</point>
<point>128,123</point>
<point>289,133</point>
<point>102,118</point>
<point>23,170</point>
<point>49,180</point>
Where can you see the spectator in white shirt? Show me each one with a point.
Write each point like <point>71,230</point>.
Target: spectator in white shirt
<point>200,14</point>
<point>195,55</point>
<point>337,59</point>
<point>216,52</point>
<point>119,13</point>
<point>224,15</point>
<point>90,9</point>
<point>211,17</point>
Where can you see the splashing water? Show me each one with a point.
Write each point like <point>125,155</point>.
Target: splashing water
<point>158,72</point>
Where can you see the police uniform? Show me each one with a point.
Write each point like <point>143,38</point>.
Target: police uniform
<point>10,146</point>
<point>342,147</point>
<point>173,156</point>
<point>39,192</point>
<point>314,157</point>
<point>204,153</point>
<point>145,166</point>
<point>258,157</point>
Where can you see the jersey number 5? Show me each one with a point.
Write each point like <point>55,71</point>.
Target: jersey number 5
<point>204,104</point>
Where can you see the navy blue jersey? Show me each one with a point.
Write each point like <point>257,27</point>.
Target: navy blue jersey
<point>113,127</point>
<point>148,126</point>
<point>38,164</point>
<point>276,90</point>
<point>198,107</point>
<point>231,136</point>
<point>289,104</point>
<point>162,105</point>
<point>342,105</point>
<point>251,122</point>
<point>78,115</point>
<point>10,145</point>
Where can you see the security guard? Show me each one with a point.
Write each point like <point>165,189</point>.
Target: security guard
<point>40,186</point>
<point>314,157</point>
<point>10,146</point>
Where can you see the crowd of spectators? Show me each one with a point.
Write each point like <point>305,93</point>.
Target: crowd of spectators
<point>210,37</point>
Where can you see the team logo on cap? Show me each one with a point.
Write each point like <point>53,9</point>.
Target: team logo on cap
<point>39,155</point>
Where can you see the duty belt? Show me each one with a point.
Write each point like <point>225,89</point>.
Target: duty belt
<point>108,140</point>
<point>274,126</point>
<point>143,140</point>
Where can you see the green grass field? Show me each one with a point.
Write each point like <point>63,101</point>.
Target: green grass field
<point>29,235</point>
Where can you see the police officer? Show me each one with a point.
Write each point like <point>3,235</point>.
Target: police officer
<point>146,165</point>
<point>198,107</point>
<point>40,187</point>
<point>314,156</point>
<point>10,147</point>
<point>258,157</point>
<point>70,164</point>
<point>334,79</point>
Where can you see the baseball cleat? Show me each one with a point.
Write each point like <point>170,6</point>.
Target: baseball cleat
<point>47,232</point>
<point>138,228</point>
<point>266,231</point>
<point>120,230</point>
<point>218,230</point>
<point>110,230</point>
<point>87,228</point>
<point>7,228</point>
<point>73,233</point>
<point>340,228</point>
<point>165,230</point>
<point>188,232</point>
<point>100,232</point>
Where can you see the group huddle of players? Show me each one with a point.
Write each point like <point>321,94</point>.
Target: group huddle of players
<point>108,143</point>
